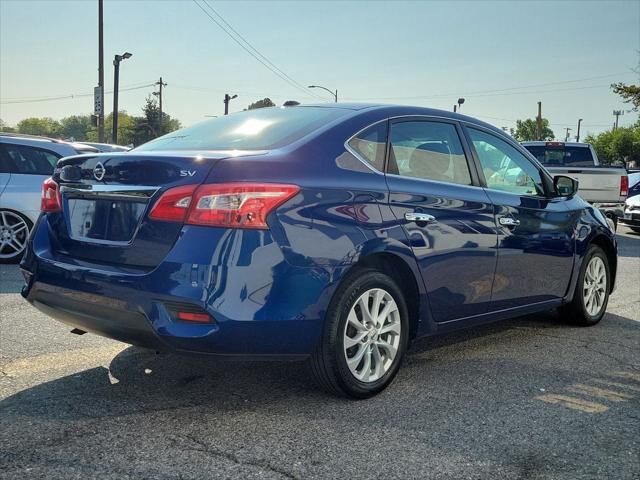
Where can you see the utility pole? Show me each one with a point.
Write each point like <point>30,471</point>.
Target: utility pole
<point>578,132</point>
<point>116,82</point>
<point>566,137</point>
<point>227,99</point>
<point>160,84</point>
<point>617,113</point>
<point>455,108</point>
<point>539,122</point>
<point>100,113</point>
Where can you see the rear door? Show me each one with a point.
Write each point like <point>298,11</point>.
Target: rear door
<point>448,218</point>
<point>535,230</point>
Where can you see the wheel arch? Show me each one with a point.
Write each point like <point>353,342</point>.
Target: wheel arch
<point>398,268</point>
<point>609,248</point>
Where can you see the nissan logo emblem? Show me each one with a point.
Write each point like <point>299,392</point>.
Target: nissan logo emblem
<point>99,171</point>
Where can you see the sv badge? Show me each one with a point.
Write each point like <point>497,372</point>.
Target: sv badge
<point>187,173</point>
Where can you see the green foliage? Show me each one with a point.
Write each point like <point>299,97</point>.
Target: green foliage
<point>47,127</point>
<point>131,130</point>
<point>265,102</point>
<point>75,127</point>
<point>629,93</point>
<point>617,146</point>
<point>6,128</point>
<point>526,130</point>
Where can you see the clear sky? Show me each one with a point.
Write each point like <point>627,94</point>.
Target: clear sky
<point>502,57</point>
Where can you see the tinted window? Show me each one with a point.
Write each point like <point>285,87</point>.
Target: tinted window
<point>561,156</point>
<point>370,145</point>
<point>26,160</point>
<point>504,167</point>
<point>428,150</point>
<point>260,129</point>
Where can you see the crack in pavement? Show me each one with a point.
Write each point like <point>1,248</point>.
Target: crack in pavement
<point>208,449</point>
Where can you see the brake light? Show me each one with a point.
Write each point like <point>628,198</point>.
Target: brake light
<point>173,205</point>
<point>237,205</point>
<point>231,205</point>
<point>50,201</point>
<point>624,186</point>
<point>555,144</point>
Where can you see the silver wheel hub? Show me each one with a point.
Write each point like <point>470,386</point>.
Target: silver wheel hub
<point>594,289</point>
<point>13,234</point>
<point>371,335</point>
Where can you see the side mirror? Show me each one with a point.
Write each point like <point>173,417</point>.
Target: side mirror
<point>565,186</point>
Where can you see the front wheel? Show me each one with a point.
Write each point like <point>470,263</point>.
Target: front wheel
<point>592,290</point>
<point>365,336</point>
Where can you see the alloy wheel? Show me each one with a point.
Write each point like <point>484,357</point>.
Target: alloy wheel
<point>595,286</point>
<point>14,232</point>
<point>372,335</point>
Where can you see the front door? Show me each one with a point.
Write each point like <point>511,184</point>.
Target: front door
<point>535,229</point>
<point>447,216</point>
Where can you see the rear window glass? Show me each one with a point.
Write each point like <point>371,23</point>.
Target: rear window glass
<point>24,160</point>
<point>562,156</point>
<point>261,129</point>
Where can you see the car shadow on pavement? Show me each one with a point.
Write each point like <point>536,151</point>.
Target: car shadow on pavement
<point>139,381</point>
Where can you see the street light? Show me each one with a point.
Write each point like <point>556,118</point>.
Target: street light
<point>227,99</point>
<point>578,132</point>
<point>460,102</point>
<point>334,94</point>
<point>116,80</point>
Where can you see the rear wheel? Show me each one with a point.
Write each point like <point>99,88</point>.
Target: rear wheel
<point>365,336</point>
<point>592,290</point>
<point>14,232</point>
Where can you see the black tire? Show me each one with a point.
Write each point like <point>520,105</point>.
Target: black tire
<point>635,229</point>
<point>18,257</point>
<point>328,363</point>
<point>576,311</point>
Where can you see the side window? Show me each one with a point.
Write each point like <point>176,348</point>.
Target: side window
<point>27,160</point>
<point>370,145</point>
<point>504,167</point>
<point>430,151</point>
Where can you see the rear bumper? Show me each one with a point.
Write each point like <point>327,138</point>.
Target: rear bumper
<point>631,219</point>
<point>262,306</point>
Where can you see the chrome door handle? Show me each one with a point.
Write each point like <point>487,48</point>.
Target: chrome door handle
<point>509,221</point>
<point>419,217</point>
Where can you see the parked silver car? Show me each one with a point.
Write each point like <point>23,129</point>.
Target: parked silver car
<point>25,162</point>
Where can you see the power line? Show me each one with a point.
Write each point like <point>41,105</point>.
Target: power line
<point>70,96</point>
<point>496,91</point>
<point>257,55</point>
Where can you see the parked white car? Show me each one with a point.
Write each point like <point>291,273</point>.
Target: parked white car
<point>25,162</point>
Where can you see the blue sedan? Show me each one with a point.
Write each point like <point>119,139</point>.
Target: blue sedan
<point>333,233</point>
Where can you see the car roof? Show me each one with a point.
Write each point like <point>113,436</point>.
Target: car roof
<point>58,146</point>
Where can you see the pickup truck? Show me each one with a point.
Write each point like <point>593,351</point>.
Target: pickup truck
<point>604,187</point>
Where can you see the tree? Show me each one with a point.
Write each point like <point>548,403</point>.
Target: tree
<point>265,102</point>
<point>526,130</point>
<point>617,146</point>
<point>149,126</point>
<point>47,127</point>
<point>75,127</point>
<point>629,93</point>
<point>6,128</point>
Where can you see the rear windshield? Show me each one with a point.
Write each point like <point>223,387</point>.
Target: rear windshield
<point>260,129</point>
<point>562,155</point>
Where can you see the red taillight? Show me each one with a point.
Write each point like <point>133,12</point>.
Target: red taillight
<point>237,205</point>
<point>50,201</point>
<point>194,317</point>
<point>173,205</point>
<point>555,144</point>
<point>624,186</point>
<point>230,205</point>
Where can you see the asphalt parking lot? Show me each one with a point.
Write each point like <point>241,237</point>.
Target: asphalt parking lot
<point>526,398</point>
